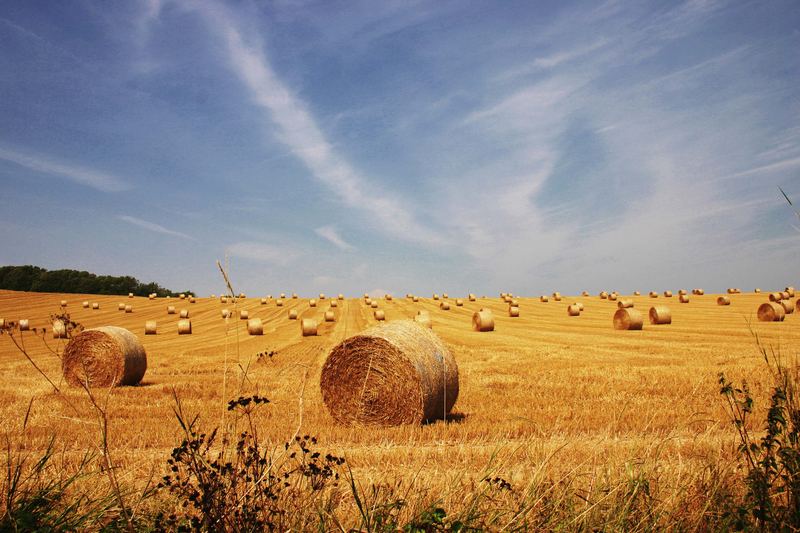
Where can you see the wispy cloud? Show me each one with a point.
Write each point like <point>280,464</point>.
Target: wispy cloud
<point>81,175</point>
<point>300,132</point>
<point>156,228</point>
<point>332,235</point>
<point>263,253</point>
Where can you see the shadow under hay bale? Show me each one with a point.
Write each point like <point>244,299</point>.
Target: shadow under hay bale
<point>390,374</point>
<point>104,357</point>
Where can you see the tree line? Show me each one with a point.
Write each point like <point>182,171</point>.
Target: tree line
<point>36,279</point>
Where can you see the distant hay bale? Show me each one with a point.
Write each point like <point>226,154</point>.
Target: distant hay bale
<point>388,297</point>
<point>104,357</point>
<point>653,294</point>
<point>789,291</point>
<point>637,293</point>
<point>128,309</point>
<point>130,295</point>
<point>391,374</point>
<point>171,310</point>
<point>121,307</point>
<point>263,301</point>
<point>366,295</point>
<point>373,304</point>
<point>24,324</point>
<point>312,303</point>
<point>85,304</point>
<point>435,296</point>
<point>723,300</point>
<point>543,299</point>
<point>775,296</point>
<point>59,330</point>
<point>557,298</point>
<point>444,306</point>
<point>513,311</point>
<point>483,320</point>
<point>787,306</point>
<point>283,295</point>
<point>255,327</point>
<point>459,302</point>
<point>150,327</point>
<point>612,297</point>
<point>580,306</point>
<point>603,295</point>
<point>279,303</point>
<point>585,294</point>
<point>771,312</point>
<point>682,292</point>
<point>192,299</point>
<point>184,313</point>
<point>334,303</point>
<point>785,295</point>
<point>415,298</point>
<point>182,296</point>
<point>341,296</point>
<point>514,302</point>
<point>151,296</point>
<point>226,313</point>
<point>294,296</point>
<point>367,301</point>
<point>95,305</point>
<point>471,297</point>
<point>625,303</point>
<point>308,327</point>
<point>379,314</point>
<point>573,310</point>
<point>667,294</point>
<point>184,327</point>
<point>329,316</point>
<point>244,314</point>
<point>698,292</point>
<point>242,296</point>
<point>757,290</point>
<point>628,319</point>
<point>292,314</point>
<point>660,315</point>
<point>322,296</point>
<point>213,296</point>
<point>424,319</point>
<point>797,305</point>
<point>556,295</point>
<point>731,291</point>
<point>63,303</point>
<point>2,323</point>
<point>683,298</point>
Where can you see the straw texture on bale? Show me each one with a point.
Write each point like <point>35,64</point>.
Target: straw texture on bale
<point>255,327</point>
<point>184,313</point>
<point>787,306</point>
<point>184,327</point>
<point>308,327</point>
<point>391,374</point>
<point>171,310</point>
<point>128,309</point>
<point>292,314</point>
<point>104,357</point>
<point>59,330</point>
<point>329,316</point>
<point>483,320</point>
<point>150,327</point>
<point>573,310</point>
<point>723,300</point>
<point>628,319</point>
<point>24,324</point>
<point>771,312</point>
<point>513,311</point>
<point>85,304</point>
<point>625,303</point>
<point>683,298</point>
<point>660,314</point>
<point>444,306</point>
<point>244,314</point>
<point>667,294</point>
<point>312,303</point>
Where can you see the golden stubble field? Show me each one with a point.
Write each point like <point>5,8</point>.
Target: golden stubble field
<point>543,395</point>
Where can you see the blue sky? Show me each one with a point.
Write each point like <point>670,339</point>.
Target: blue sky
<point>403,146</point>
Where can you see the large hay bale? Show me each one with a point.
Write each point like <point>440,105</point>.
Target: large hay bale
<point>255,327</point>
<point>445,295</point>
<point>104,357</point>
<point>379,314</point>
<point>184,313</point>
<point>182,296</point>
<point>556,295</point>
<point>292,314</point>
<point>483,320</point>
<point>120,307</point>
<point>244,314</point>
<point>682,292</point>
<point>24,324</point>
<point>785,295</point>
<point>435,296</point>
<point>329,316</point>
<point>775,296</point>
<point>150,327</point>
<point>444,306</point>
<point>580,306</point>
<point>226,313</point>
<point>312,302</point>
<point>628,319</point>
<point>787,305</point>
<point>151,296</point>
<point>391,374</point>
<point>771,312</point>
<point>130,295</point>
<point>723,300</point>
<point>573,310</point>
<point>59,329</point>
<point>660,315</point>
<point>557,298</point>
<point>308,327</point>
<point>184,327</point>
<point>789,291</point>
<point>85,304</point>
<point>513,311</point>
<point>683,298</point>
<point>128,309</point>
<point>171,310</point>
<point>367,301</point>
<point>625,303</point>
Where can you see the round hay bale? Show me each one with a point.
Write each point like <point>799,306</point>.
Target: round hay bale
<point>263,301</point>
<point>483,320</point>
<point>150,327</point>
<point>329,316</point>
<point>660,315</point>
<point>513,302</point>
<point>120,307</point>
<point>128,309</point>
<point>279,303</point>
<point>415,298</point>
<point>171,310</point>
<point>308,327</point>
<point>244,314</point>
<point>775,296</point>
<point>757,290</point>
<point>444,306</point>
<point>585,294</point>
<point>2,323</point>
<point>544,299</point>
<point>573,310</point>
<point>184,313</point>
<point>797,304</point>
<point>334,303</point>
<point>603,295</point>
<point>513,311</point>
<point>556,294</point>
<point>130,295</point>
<point>789,291</point>
<point>322,296</point>
<point>731,291</point>
<point>255,327</point>
<point>699,292</point>
<point>312,302</point>
<point>667,294</point>
<point>389,297</point>
<point>85,304</point>
<point>226,313</point>
<point>104,357</point>
<point>612,297</point>
<point>653,294</point>
<point>557,298</point>
<point>379,314</point>
<point>184,327</point>
<point>283,295</point>
<point>292,314</point>
<point>723,300</point>
<point>771,312</point>
<point>628,319</point>
<point>95,305</point>
<point>785,295</point>
<point>341,296</point>
<point>471,297</point>
<point>625,303</point>
<point>294,296</point>
<point>192,300</point>
<point>683,298</point>
<point>424,319</point>
<point>373,304</point>
<point>682,292</point>
<point>637,293</point>
<point>59,330</point>
<point>151,296</point>
<point>391,374</point>
<point>445,296</point>
<point>787,306</point>
<point>182,296</point>
<point>242,296</point>
<point>24,324</point>
<point>459,302</point>
<point>367,301</point>
<point>580,306</point>
<point>435,296</point>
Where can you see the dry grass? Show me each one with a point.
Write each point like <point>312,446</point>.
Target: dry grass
<point>542,397</point>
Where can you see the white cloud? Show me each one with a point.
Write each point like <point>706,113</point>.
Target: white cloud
<point>332,235</point>
<point>263,253</point>
<point>156,228</point>
<point>84,176</point>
